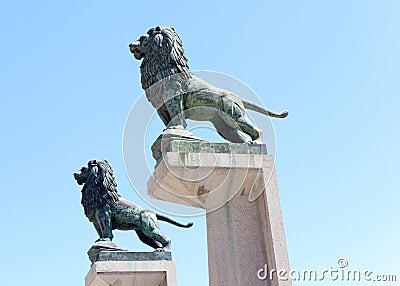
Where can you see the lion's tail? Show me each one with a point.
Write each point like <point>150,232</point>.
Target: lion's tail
<point>252,106</point>
<point>167,219</point>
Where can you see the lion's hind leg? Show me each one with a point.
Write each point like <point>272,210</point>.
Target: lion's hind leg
<point>234,116</point>
<point>248,128</point>
<point>147,240</point>
<point>227,131</point>
<point>150,228</point>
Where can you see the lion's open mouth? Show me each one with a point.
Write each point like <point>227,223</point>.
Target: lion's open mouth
<point>135,50</point>
<point>79,178</point>
<point>134,46</point>
<point>138,55</point>
<point>132,49</point>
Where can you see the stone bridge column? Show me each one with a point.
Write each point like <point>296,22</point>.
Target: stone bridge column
<point>127,268</point>
<point>236,184</point>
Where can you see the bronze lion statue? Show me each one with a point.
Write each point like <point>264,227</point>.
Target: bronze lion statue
<point>178,95</point>
<point>107,211</point>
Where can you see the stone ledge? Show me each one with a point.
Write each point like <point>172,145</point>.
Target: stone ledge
<point>134,256</point>
<point>210,147</point>
<point>128,273</point>
<point>183,141</point>
<point>206,179</point>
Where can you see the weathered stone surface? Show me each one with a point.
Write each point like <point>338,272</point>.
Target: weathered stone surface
<point>128,273</point>
<point>161,145</point>
<point>100,246</point>
<point>208,180</point>
<point>238,189</point>
<point>183,141</point>
<point>209,147</point>
<point>134,256</point>
<point>244,236</point>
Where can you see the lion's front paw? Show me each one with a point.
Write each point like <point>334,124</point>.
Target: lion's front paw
<point>103,239</point>
<point>180,127</point>
<point>257,141</point>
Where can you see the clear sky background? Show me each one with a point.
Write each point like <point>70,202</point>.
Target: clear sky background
<point>68,82</point>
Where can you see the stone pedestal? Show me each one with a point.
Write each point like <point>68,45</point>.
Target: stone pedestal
<point>124,268</point>
<point>236,184</point>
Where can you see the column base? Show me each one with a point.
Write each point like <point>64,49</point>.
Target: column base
<point>126,268</point>
<point>236,185</point>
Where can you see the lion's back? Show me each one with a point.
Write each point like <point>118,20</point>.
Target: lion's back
<point>126,217</point>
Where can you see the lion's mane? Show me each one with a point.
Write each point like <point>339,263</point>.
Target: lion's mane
<point>164,58</point>
<point>100,188</point>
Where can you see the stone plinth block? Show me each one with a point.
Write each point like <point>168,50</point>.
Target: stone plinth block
<point>134,256</point>
<point>124,268</point>
<point>207,175</point>
<point>236,185</point>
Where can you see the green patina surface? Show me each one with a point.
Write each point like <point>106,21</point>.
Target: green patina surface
<point>209,147</point>
<point>134,256</point>
<point>178,95</point>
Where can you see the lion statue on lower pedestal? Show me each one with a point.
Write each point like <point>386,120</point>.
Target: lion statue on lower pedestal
<point>107,211</point>
<point>178,95</point>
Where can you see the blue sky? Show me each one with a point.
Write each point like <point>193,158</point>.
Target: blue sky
<point>68,82</point>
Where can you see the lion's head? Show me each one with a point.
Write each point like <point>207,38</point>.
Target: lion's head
<point>162,53</point>
<point>99,188</point>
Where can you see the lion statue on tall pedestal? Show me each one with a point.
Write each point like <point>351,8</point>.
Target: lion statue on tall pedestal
<point>105,208</point>
<point>178,95</point>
